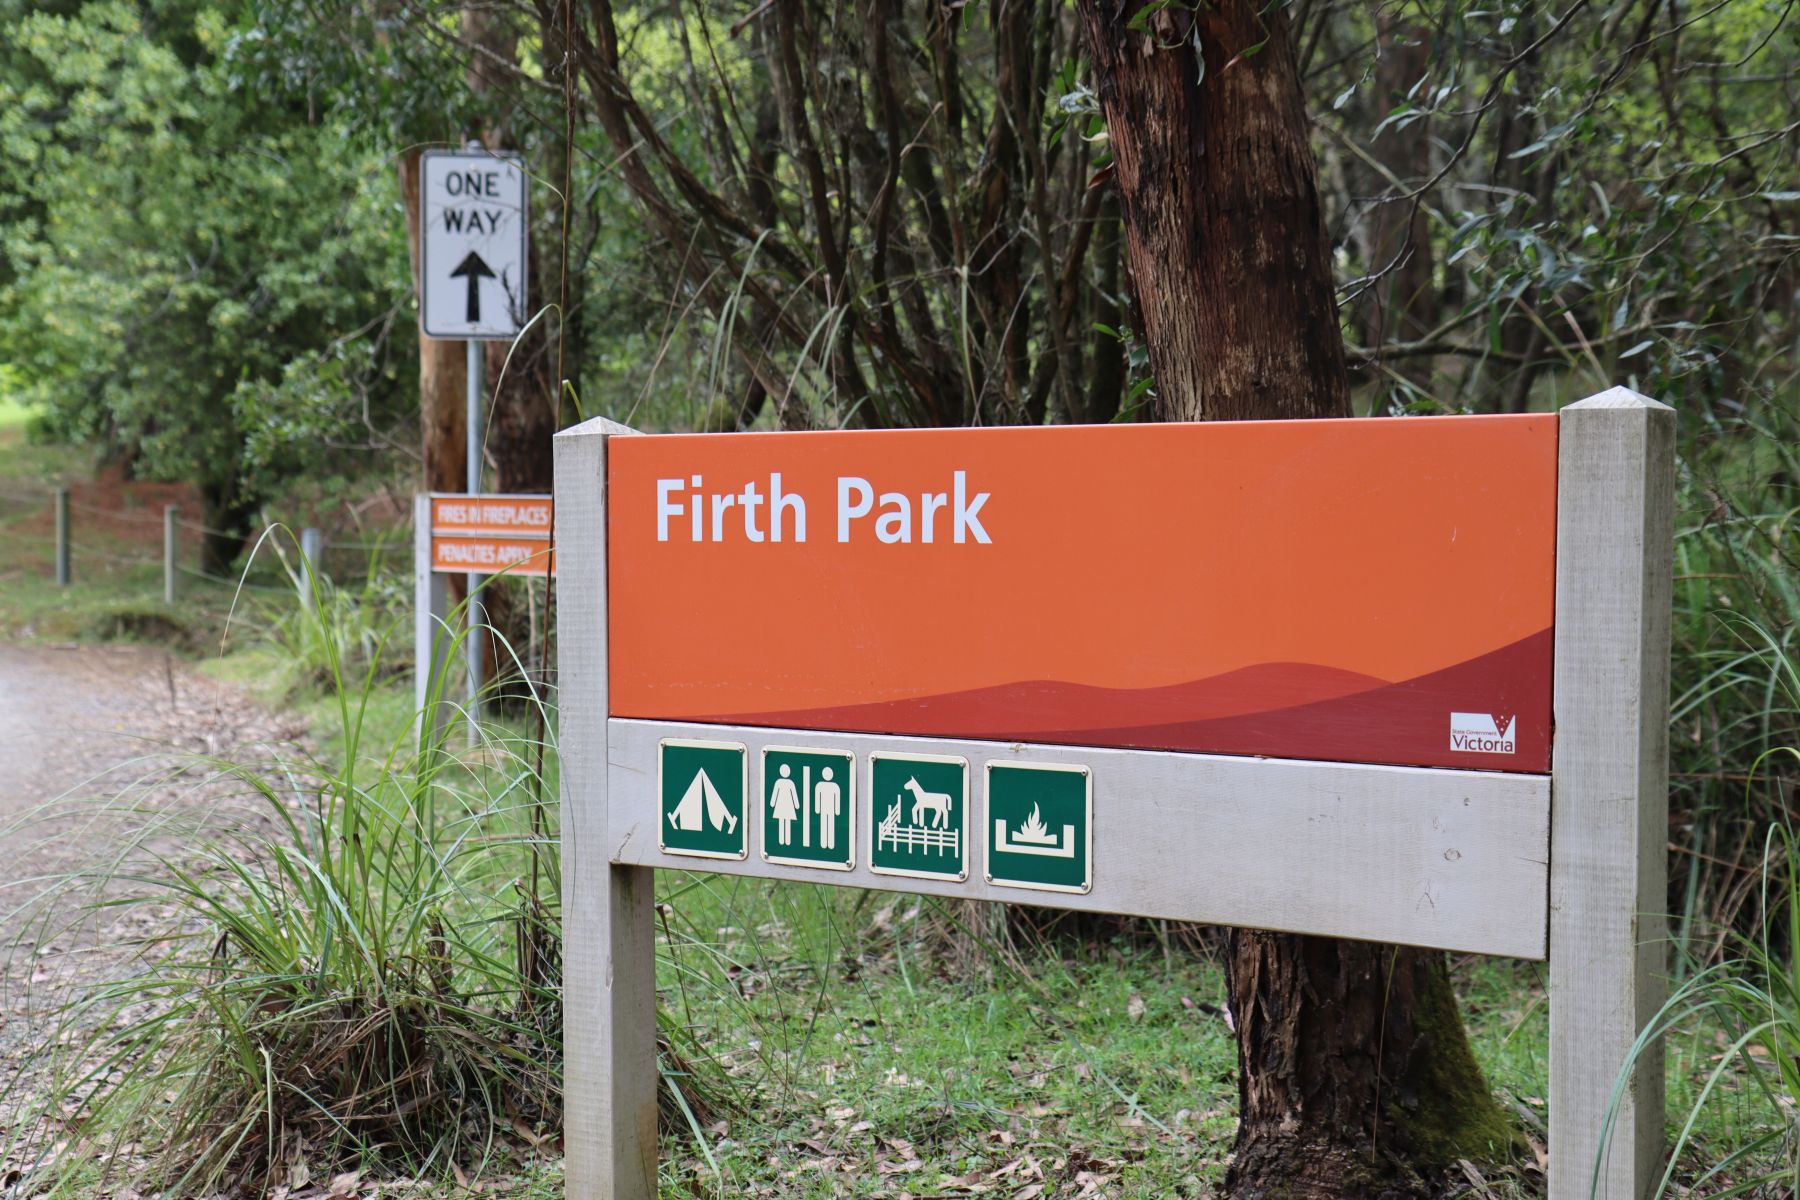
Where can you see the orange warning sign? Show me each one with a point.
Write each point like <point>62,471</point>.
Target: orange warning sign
<point>491,534</point>
<point>1368,590</point>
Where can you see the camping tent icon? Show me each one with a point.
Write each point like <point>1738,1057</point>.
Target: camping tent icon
<point>687,814</point>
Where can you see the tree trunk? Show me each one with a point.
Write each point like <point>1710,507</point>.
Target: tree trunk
<point>443,370</point>
<point>229,515</point>
<point>1222,219</point>
<point>521,389</point>
<point>1354,1074</point>
<point>1402,305</point>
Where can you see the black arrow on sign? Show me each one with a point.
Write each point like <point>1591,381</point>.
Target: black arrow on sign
<point>475,270</point>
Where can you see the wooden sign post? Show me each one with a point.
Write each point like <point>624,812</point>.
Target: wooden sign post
<point>1315,677</point>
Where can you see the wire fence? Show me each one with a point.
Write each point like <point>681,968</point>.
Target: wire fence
<point>281,559</point>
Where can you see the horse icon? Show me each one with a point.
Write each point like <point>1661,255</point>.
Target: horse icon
<point>935,803</point>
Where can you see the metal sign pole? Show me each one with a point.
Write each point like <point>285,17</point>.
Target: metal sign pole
<point>431,607</point>
<point>474,647</point>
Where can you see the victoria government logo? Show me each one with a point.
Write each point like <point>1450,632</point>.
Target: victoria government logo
<point>1482,733</point>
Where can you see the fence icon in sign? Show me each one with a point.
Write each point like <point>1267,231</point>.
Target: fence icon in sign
<point>891,835</point>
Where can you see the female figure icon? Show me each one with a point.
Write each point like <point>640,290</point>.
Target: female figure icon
<point>784,799</point>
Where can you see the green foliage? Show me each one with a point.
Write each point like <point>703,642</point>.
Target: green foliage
<point>1748,1006</point>
<point>196,277</point>
<point>361,631</point>
<point>1603,189</point>
<point>1736,632</point>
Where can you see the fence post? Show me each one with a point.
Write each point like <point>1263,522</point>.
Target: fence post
<point>62,537</point>
<point>312,551</point>
<point>169,511</point>
<point>1610,793</point>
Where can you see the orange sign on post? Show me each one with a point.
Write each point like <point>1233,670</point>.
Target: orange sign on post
<point>1366,591</point>
<point>491,534</point>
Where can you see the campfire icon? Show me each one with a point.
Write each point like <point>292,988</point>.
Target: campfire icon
<point>1034,837</point>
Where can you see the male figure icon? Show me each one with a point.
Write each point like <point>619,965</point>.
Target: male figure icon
<point>828,802</point>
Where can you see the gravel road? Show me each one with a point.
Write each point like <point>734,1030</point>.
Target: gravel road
<point>80,727</point>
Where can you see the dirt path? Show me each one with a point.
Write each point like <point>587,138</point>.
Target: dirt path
<point>80,722</point>
<point>80,727</point>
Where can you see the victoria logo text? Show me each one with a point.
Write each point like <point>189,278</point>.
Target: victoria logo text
<point>1482,733</point>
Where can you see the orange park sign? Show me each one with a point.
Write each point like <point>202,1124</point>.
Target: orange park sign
<point>488,535</point>
<point>1298,676</point>
<point>1377,591</point>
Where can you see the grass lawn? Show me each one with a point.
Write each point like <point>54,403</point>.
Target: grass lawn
<point>872,1067</point>
<point>875,1069</point>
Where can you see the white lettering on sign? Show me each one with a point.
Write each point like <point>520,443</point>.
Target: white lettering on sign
<point>533,518</point>
<point>687,511</point>
<point>490,555</point>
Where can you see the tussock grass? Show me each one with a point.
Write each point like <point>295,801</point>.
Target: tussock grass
<point>1735,1026</point>
<point>1736,637</point>
<point>353,961</point>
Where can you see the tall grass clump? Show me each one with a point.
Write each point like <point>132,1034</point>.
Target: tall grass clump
<point>345,629</point>
<point>1731,1027</point>
<point>1737,1021</point>
<point>352,958</point>
<point>1736,621</point>
<point>340,972</point>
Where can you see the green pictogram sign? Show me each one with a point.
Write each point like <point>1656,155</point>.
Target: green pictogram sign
<point>1040,827</point>
<point>702,786</point>
<point>919,815</point>
<point>809,807</point>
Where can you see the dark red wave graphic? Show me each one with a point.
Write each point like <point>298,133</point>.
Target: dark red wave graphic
<point>1041,706</point>
<point>1280,710</point>
<point>1406,724</point>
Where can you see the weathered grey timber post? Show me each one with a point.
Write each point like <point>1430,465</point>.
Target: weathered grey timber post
<point>609,935</point>
<point>431,616</point>
<point>62,537</point>
<point>169,547</point>
<point>1609,790</point>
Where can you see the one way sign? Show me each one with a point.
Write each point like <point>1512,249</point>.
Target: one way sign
<point>472,261</point>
